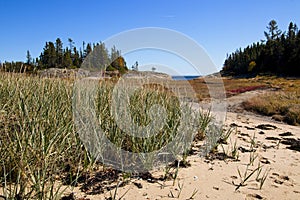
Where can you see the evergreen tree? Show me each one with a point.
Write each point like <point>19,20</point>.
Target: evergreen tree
<point>87,50</point>
<point>67,61</point>
<point>135,67</point>
<point>76,58</point>
<point>114,54</point>
<point>59,53</point>
<point>279,55</point>
<point>274,31</point>
<point>71,44</point>
<point>28,58</point>
<point>48,56</point>
<point>102,55</point>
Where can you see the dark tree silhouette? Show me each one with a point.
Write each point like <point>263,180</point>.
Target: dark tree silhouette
<point>279,54</point>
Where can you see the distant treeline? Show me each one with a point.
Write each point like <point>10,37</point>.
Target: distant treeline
<point>279,54</point>
<point>55,56</point>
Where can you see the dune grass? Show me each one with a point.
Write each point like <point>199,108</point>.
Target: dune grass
<point>38,141</point>
<point>40,147</point>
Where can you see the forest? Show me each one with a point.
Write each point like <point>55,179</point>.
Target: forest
<point>54,55</point>
<point>278,54</point>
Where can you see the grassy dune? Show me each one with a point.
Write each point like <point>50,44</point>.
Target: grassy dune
<point>40,148</point>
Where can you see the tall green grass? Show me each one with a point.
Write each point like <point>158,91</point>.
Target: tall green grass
<point>136,125</point>
<point>40,146</point>
<point>38,141</point>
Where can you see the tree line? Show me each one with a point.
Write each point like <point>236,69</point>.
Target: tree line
<point>278,54</point>
<point>54,55</point>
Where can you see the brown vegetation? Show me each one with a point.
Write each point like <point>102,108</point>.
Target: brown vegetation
<point>282,105</point>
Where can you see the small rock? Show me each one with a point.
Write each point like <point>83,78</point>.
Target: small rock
<point>195,178</point>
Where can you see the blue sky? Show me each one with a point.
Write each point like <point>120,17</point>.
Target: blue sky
<point>219,26</point>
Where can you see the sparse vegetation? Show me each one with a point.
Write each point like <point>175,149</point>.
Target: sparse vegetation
<point>250,171</point>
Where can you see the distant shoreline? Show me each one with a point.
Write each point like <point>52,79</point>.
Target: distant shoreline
<point>188,77</point>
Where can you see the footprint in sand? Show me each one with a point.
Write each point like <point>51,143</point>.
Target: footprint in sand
<point>281,179</point>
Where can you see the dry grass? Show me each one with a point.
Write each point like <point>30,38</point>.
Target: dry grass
<point>282,104</point>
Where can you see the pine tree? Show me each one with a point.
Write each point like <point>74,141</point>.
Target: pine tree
<point>114,54</point>
<point>59,53</point>
<point>28,58</point>
<point>274,31</point>
<point>88,50</point>
<point>67,61</point>
<point>76,58</point>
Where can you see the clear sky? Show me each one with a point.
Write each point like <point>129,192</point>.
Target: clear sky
<point>219,26</point>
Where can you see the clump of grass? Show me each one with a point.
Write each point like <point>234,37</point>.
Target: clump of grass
<point>37,137</point>
<point>140,104</point>
<point>204,119</point>
<point>285,104</point>
<point>124,114</point>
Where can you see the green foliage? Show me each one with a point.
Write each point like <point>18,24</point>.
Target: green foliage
<point>279,54</point>
<point>141,101</point>
<point>55,56</point>
<point>38,140</point>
